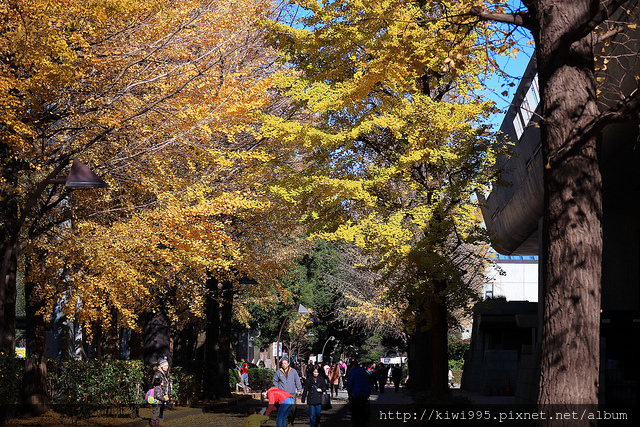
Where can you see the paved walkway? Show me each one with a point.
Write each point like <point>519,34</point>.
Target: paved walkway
<point>338,415</point>
<point>388,409</point>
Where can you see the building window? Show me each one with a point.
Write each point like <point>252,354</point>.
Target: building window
<point>488,291</point>
<point>517,124</point>
<point>527,107</point>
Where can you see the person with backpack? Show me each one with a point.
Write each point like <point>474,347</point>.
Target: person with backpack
<point>163,377</point>
<point>157,398</point>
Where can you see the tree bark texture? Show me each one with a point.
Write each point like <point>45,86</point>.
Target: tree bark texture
<point>429,359</point>
<point>8,299</point>
<point>34,384</point>
<point>10,214</point>
<point>572,231</point>
<point>437,309</point>
<point>157,338</point>
<point>218,338</point>
<point>136,345</point>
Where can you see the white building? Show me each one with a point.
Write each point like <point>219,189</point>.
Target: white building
<point>515,278</point>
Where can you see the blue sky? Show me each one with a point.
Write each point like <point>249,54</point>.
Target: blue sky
<point>513,66</point>
<point>494,86</point>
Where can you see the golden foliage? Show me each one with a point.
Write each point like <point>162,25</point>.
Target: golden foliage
<point>395,143</point>
<point>157,97</point>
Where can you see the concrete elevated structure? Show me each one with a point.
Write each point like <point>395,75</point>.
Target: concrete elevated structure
<point>513,213</point>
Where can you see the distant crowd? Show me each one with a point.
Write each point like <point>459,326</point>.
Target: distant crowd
<point>317,383</point>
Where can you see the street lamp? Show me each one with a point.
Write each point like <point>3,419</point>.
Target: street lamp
<point>331,338</point>
<point>313,319</point>
<point>79,176</point>
<point>300,309</point>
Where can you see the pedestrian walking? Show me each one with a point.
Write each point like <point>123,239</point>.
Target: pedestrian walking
<point>287,379</point>
<point>380,375</point>
<point>373,377</point>
<point>359,389</point>
<point>244,374</point>
<point>162,376</point>
<point>343,374</point>
<point>396,376</point>
<point>314,387</point>
<point>334,379</point>
<point>160,400</point>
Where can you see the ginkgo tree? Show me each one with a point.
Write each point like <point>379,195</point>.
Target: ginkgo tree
<point>156,96</point>
<point>575,42</point>
<point>392,150</point>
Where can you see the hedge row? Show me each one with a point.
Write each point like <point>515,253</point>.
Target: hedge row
<point>79,388</point>
<point>103,383</point>
<point>11,369</point>
<point>260,379</point>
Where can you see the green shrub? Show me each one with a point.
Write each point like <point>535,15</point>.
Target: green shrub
<point>78,388</point>
<point>234,377</point>
<point>185,385</point>
<point>457,349</point>
<point>260,379</point>
<point>11,369</point>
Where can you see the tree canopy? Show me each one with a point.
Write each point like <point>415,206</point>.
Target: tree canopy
<point>395,143</point>
<point>391,149</point>
<point>157,97</point>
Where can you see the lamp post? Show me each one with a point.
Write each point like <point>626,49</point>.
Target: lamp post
<point>79,176</point>
<point>314,319</point>
<point>331,338</point>
<point>300,309</point>
<point>34,385</point>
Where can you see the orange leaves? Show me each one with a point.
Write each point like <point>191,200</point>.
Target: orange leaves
<point>159,98</point>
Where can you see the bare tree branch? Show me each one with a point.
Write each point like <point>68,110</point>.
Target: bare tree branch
<point>625,110</point>
<point>519,19</point>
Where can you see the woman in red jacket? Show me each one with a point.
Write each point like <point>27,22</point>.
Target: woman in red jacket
<point>282,398</point>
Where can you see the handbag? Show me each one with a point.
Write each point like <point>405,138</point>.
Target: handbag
<point>325,401</point>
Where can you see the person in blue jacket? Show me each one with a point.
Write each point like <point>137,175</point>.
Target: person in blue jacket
<point>358,388</point>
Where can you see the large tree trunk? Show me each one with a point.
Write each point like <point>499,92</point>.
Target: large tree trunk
<point>218,339</point>
<point>8,244</point>
<point>34,385</point>
<point>136,345</point>
<point>572,232</point>
<point>157,339</point>
<point>8,299</point>
<point>428,362</point>
<point>111,339</point>
<point>437,309</point>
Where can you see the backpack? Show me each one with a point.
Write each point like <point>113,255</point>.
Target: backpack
<point>149,397</point>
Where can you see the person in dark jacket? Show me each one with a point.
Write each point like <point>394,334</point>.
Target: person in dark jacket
<point>381,377</point>
<point>162,376</point>
<point>160,399</point>
<point>358,388</point>
<point>312,393</point>
<point>396,375</point>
